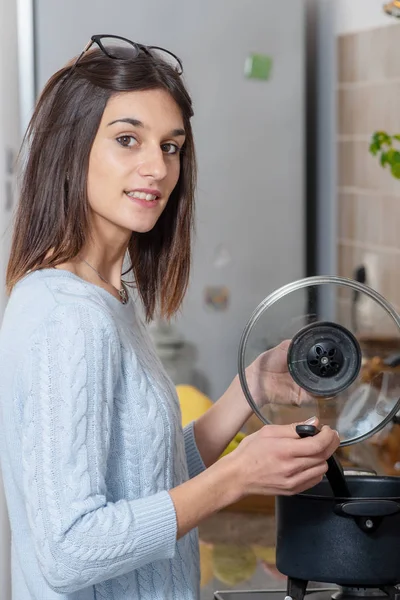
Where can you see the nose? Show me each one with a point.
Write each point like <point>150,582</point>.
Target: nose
<point>152,164</point>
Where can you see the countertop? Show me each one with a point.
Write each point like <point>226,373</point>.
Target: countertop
<point>237,551</point>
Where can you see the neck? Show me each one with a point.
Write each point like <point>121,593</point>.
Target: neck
<point>105,251</point>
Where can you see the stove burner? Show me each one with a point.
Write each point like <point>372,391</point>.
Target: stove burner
<point>350,593</point>
<point>271,594</point>
<point>312,593</point>
<point>297,589</point>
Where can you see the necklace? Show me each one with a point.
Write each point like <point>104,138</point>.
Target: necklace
<point>123,294</point>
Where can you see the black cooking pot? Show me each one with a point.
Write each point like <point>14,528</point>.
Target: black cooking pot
<point>345,530</point>
<point>350,541</point>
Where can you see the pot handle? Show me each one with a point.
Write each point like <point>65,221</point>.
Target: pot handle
<point>368,508</point>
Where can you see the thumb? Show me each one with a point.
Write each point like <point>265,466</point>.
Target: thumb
<point>287,431</point>
<point>311,421</point>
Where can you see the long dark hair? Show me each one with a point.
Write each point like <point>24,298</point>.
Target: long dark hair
<point>52,220</point>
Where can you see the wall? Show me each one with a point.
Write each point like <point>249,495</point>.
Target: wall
<point>357,15</point>
<point>369,197</point>
<point>9,143</point>
<point>250,210</point>
<point>326,123</point>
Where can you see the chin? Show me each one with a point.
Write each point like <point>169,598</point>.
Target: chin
<point>143,227</point>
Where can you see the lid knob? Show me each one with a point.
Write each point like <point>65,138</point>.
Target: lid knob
<point>324,358</point>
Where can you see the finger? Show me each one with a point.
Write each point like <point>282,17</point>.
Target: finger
<point>307,399</point>
<point>284,345</point>
<point>296,396</point>
<point>287,431</point>
<point>280,431</point>
<point>302,465</point>
<point>309,484</point>
<point>311,421</point>
<point>323,443</point>
<point>307,479</point>
<point>334,444</point>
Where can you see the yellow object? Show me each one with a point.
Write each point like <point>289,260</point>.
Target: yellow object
<point>392,8</point>
<point>234,443</point>
<point>233,564</point>
<point>206,563</point>
<point>265,553</point>
<point>194,404</point>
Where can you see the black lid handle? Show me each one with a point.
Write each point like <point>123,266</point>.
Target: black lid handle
<point>335,473</point>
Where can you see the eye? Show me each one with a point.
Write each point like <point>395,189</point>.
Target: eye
<point>170,148</point>
<point>127,141</point>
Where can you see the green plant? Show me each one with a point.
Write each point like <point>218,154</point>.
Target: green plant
<point>386,147</point>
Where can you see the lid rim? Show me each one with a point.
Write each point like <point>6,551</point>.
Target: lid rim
<point>294,286</point>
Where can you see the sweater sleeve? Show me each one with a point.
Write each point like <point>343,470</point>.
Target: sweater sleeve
<point>193,457</point>
<point>80,536</point>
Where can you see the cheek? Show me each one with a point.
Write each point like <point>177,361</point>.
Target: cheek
<point>95,177</point>
<point>95,183</point>
<point>102,177</point>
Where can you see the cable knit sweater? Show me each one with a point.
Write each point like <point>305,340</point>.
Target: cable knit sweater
<point>91,442</point>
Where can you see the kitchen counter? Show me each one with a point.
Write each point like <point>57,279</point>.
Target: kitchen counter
<point>237,551</point>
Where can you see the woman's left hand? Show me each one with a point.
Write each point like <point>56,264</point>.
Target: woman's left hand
<point>270,382</point>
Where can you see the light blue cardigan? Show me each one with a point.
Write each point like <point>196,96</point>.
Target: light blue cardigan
<point>91,442</point>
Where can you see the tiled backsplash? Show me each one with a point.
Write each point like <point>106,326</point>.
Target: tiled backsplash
<point>368,195</point>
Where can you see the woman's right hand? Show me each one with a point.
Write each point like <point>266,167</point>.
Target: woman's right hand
<point>276,461</point>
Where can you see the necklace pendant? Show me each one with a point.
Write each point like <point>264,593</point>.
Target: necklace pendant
<point>123,294</point>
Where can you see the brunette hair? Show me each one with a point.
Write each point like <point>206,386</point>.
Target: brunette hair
<point>52,220</point>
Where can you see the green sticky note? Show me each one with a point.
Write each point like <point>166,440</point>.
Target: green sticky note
<point>258,66</point>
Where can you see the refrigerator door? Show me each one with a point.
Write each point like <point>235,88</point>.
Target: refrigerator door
<point>9,144</point>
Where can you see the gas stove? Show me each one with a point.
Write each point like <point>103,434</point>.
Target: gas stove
<point>334,593</point>
<point>313,594</point>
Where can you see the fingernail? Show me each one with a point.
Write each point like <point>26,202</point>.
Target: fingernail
<point>310,421</point>
<point>337,433</point>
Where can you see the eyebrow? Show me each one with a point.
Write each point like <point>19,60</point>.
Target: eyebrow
<point>136,123</point>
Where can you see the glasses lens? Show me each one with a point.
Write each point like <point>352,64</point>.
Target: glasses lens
<point>119,49</point>
<point>166,57</point>
<point>125,50</point>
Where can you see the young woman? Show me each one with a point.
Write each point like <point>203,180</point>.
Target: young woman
<point>103,487</point>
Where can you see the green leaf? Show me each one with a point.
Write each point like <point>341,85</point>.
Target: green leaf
<point>396,170</point>
<point>381,145</point>
<point>383,138</point>
<point>373,148</point>
<point>395,157</point>
<point>384,159</point>
<point>390,155</point>
<point>375,143</point>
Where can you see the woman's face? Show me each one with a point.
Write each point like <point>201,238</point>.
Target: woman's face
<point>134,162</point>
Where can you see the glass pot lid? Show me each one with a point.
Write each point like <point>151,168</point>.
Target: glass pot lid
<point>307,351</point>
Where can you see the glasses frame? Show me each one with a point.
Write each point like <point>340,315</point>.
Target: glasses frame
<point>96,39</point>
